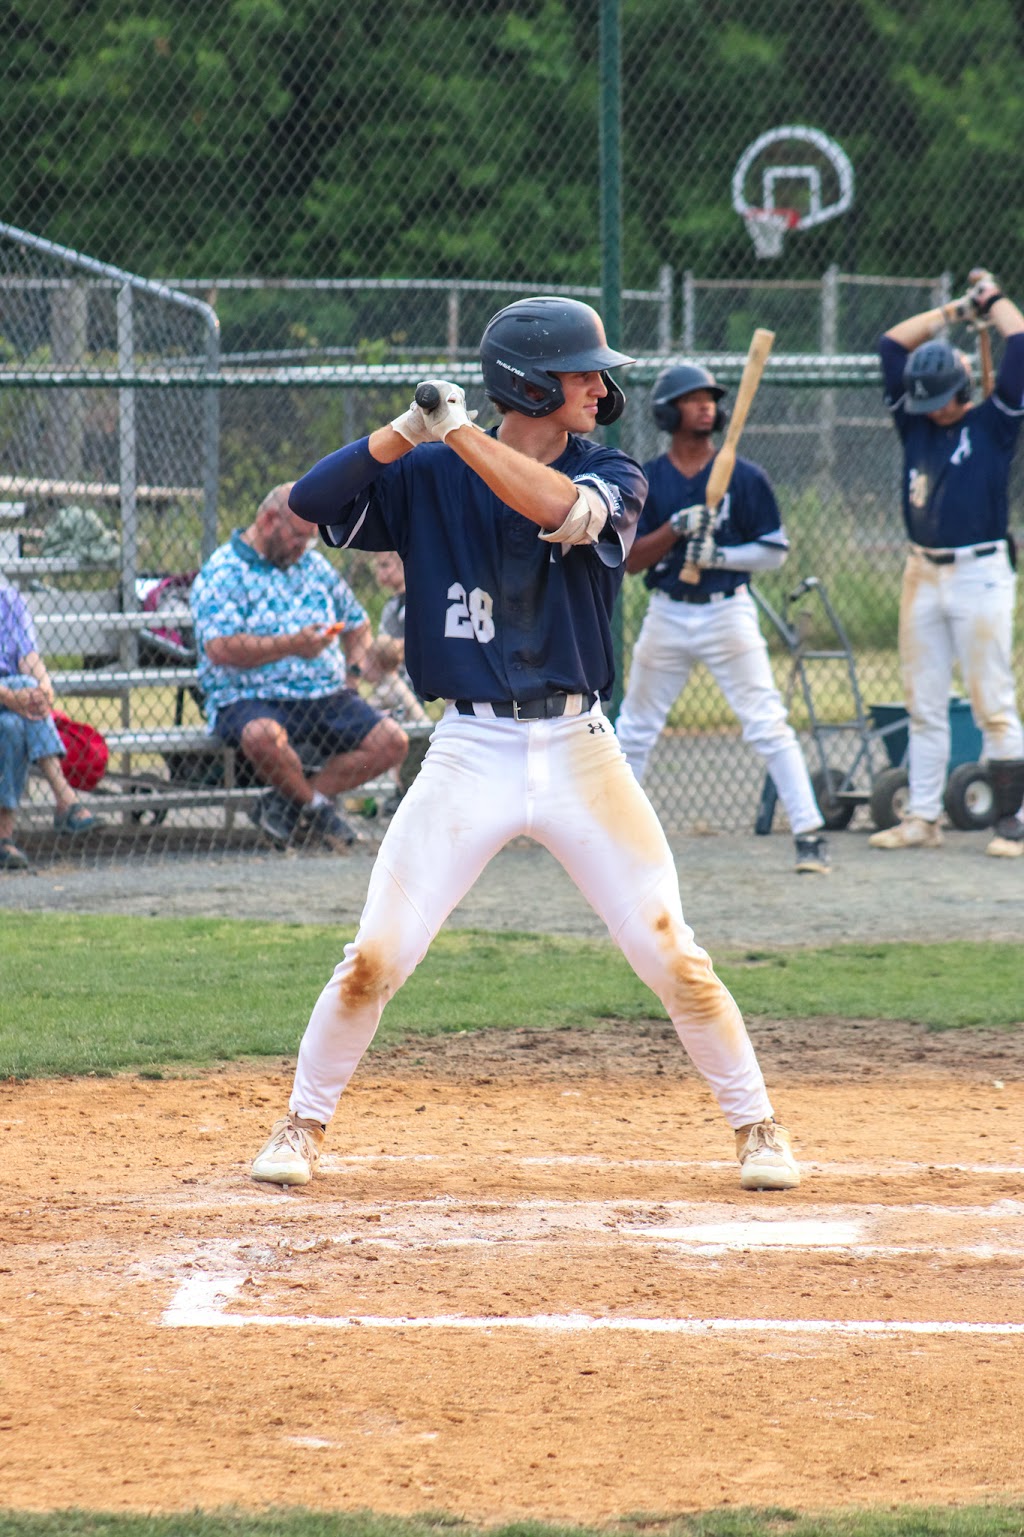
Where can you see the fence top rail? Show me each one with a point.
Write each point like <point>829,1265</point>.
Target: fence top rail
<point>800,368</point>
<point>441,285</point>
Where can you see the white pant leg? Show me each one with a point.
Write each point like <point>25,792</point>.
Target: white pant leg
<point>735,653</point>
<point>981,599</point>
<point>588,810</point>
<point>658,672</point>
<point>926,665</point>
<point>466,802</point>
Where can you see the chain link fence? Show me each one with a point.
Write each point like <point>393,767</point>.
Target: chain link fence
<point>236,236</point>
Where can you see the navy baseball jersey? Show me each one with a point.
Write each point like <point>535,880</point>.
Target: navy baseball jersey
<point>492,611</point>
<point>748,512</point>
<point>955,478</point>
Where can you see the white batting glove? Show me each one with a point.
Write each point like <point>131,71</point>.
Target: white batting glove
<point>412,426</point>
<point>703,552</point>
<point>687,521</point>
<point>983,293</point>
<point>450,412</point>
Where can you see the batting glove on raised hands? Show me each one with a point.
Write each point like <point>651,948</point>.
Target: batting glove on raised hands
<point>703,552</point>
<point>450,411</point>
<point>983,292</point>
<point>687,521</point>
<point>412,426</point>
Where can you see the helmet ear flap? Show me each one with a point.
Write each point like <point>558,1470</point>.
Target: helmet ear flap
<point>611,407</point>
<point>666,415</point>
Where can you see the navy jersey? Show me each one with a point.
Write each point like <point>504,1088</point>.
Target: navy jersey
<point>955,478</point>
<point>748,512</point>
<point>493,612</point>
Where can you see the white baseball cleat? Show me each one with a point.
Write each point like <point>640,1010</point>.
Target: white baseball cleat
<point>291,1152</point>
<point>766,1158</point>
<point>911,833</point>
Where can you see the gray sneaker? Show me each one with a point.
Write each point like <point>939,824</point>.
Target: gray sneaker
<point>277,817</point>
<point>290,1153</point>
<point>812,855</point>
<point>333,829</point>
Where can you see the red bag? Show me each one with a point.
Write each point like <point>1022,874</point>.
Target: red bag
<point>86,753</point>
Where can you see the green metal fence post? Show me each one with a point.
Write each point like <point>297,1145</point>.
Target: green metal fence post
<point>611,233</point>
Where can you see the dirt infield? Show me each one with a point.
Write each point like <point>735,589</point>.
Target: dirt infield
<point>525,1283</point>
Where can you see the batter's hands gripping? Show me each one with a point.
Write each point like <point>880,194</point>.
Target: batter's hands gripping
<point>412,425</point>
<point>443,406</point>
<point>703,551</point>
<point>982,294</point>
<point>687,521</point>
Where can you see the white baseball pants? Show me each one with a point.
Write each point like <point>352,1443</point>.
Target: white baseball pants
<point>727,638</point>
<point>566,784</point>
<point>962,612</point>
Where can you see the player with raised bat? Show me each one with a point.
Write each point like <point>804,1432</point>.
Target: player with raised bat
<point>713,516</point>
<point>959,583</point>
<point>514,542</point>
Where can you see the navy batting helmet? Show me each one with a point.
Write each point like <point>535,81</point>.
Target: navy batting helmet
<point>532,341</point>
<point>681,379</point>
<point>933,375</point>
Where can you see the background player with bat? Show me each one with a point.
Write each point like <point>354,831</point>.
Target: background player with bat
<point>514,542</point>
<point>959,587</point>
<point>709,521</point>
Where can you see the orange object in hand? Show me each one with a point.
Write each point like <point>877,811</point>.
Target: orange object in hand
<point>335,628</point>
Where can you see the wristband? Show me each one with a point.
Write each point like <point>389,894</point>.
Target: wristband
<point>983,309</point>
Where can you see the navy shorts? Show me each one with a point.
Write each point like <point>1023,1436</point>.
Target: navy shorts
<point>332,724</point>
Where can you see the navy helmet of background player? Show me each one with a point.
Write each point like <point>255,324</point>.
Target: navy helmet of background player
<point>713,621</point>
<point>514,542</point>
<point>959,587</point>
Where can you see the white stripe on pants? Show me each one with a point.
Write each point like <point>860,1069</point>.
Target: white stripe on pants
<point>566,784</point>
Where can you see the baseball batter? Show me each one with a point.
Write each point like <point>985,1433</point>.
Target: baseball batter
<point>713,621</point>
<point>514,542</point>
<point>959,584</point>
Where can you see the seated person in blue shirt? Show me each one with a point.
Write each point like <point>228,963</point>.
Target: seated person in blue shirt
<point>278,634</point>
<point>28,736</point>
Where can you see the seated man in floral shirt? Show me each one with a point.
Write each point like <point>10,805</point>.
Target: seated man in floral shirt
<point>278,633</point>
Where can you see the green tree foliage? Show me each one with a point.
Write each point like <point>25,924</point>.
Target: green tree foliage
<point>460,137</point>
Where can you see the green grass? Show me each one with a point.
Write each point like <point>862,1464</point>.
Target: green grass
<point>964,1521</point>
<point>100,994</point>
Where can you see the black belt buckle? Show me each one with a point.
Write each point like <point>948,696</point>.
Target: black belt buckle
<point>548,708</point>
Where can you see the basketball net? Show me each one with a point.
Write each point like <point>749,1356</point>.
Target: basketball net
<point>767,227</point>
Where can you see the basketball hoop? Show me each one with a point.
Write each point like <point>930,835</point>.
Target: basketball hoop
<point>767,227</point>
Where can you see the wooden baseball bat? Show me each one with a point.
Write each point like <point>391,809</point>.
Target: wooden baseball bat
<point>725,460</point>
<point>988,373</point>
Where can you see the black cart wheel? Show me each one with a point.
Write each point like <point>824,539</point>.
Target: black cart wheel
<point>968,799</point>
<point>888,801</point>
<point>836,814</point>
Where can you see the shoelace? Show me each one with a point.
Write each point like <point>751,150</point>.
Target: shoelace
<point>763,1136</point>
<point>297,1138</point>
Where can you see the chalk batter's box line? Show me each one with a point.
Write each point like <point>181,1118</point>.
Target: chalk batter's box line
<point>199,1303</point>
<point>896,1169</point>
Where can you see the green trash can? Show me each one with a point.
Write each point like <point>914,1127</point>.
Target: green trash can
<point>965,738</point>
